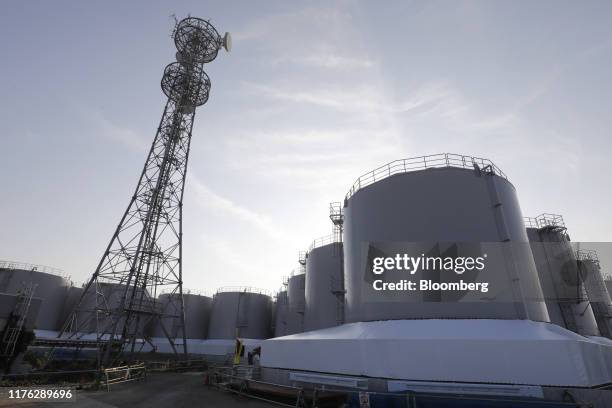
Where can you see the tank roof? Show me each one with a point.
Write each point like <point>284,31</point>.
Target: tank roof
<point>322,241</point>
<point>24,266</point>
<point>418,163</point>
<point>243,289</point>
<point>296,272</point>
<point>188,291</point>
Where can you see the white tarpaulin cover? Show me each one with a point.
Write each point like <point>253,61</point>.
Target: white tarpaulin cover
<point>478,350</point>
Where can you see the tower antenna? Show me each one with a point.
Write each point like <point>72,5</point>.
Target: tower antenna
<point>144,256</point>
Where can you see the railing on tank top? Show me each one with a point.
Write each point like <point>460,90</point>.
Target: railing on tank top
<point>4,264</point>
<point>587,255</point>
<point>326,240</point>
<point>188,291</point>
<point>545,220</point>
<point>421,163</point>
<point>243,289</point>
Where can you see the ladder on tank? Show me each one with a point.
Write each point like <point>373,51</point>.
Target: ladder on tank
<point>12,333</point>
<point>337,289</point>
<point>336,216</point>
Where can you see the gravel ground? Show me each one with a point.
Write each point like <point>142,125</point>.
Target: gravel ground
<point>160,390</point>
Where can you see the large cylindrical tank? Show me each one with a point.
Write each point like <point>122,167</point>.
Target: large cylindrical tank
<point>438,204</point>
<point>243,313</point>
<point>324,292</point>
<point>608,282</point>
<point>105,296</point>
<point>50,288</point>
<point>564,294</point>
<point>73,294</point>
<point>8,304</point>
<point>597,292</point>
<point>197,315</point>
<point>296,295</point>
<point>281,314</point>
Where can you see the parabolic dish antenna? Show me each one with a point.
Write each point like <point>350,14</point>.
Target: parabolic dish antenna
<point>227,42</point>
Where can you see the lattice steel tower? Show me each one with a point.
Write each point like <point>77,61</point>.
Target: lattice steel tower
<point>144,256</point>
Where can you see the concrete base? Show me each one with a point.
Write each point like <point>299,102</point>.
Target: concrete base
<point>212,348</point>
<point>514,352</point>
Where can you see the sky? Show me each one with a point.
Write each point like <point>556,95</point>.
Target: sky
<point>312,95</point>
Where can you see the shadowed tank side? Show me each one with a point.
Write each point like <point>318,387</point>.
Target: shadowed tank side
<point>473,204</point>
<point>324,293</point>
<point>240,313</point>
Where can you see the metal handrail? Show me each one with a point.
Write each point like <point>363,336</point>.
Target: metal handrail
<point>6,264</point>
<point>587,255</point>
<point>322,241</point>
<point>530,222</point>
<point>117,375</point>
<point>545,220</point>
<point>237,379</point>
<point>246,289</point>
<point>188,291</point>
<point>421,163</point>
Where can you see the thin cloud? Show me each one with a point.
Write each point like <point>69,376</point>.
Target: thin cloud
<point>327,59</point>
<point>211,200</point>
<point>123,135</point>
<point>365,99</point>
<point>281,37</point>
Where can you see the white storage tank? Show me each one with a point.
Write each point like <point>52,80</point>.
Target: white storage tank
<point>197,315</point>
<point>436,205</point>
<point>73,294</point>
<point>240,312</point>
<point>8,303</point>
<point>564,294</point>
<point>281,314</point>
<point>296,295</point>
<point>590,271</point>
<point>608,283</point>
<point>106,296</point>
<point>50,288</point>
<point>324,291</point>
